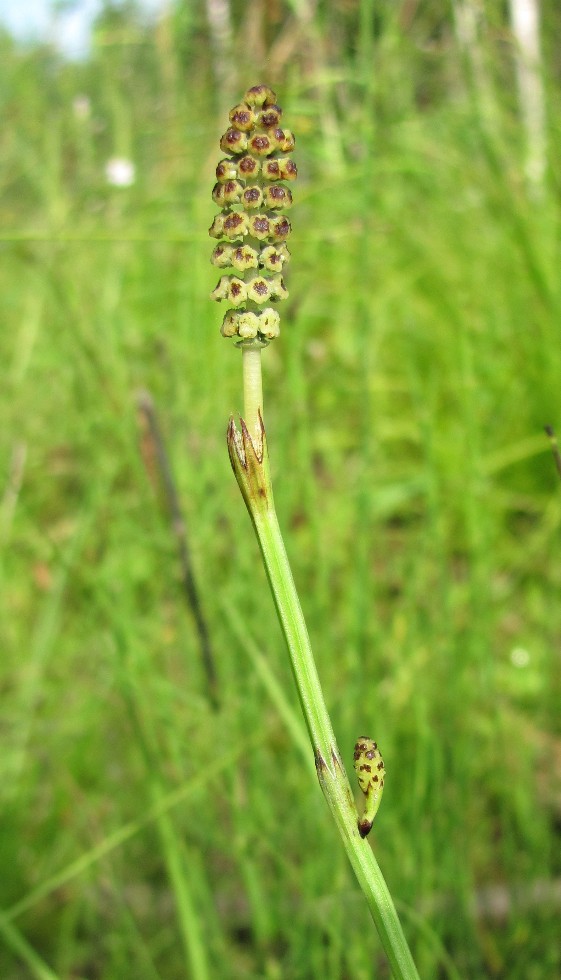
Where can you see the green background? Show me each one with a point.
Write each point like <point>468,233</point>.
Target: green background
<point>145,832</point>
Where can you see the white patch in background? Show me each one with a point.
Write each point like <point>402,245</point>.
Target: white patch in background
<point>120,172</point>
<point>519,657</point>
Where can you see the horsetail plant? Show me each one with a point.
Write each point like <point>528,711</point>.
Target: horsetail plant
<point>252,231</point>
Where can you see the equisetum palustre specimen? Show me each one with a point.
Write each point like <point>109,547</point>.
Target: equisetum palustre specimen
<point>252,231</point>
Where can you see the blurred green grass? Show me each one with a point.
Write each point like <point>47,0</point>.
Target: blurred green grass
<point>405,404</point>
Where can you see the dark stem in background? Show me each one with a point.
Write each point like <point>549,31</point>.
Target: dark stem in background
<point>550,432</point>
<point>159,469</point>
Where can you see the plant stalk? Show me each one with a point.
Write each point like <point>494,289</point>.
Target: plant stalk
<point>250,463</point>
<point>252,387</point>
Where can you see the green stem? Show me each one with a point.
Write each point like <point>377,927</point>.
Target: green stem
<point>252,386</point>
<point>296,635</point>
<point>250,463</point>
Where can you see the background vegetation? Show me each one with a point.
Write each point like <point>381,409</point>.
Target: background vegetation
<point>146,833</point>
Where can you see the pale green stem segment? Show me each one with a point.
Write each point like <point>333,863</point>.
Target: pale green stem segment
<point>252,387</point>
<point>251,467</point>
